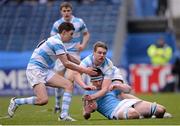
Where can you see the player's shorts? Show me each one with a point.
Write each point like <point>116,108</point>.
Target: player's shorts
<point>122,106</point>
<point>60,67</point>
<point>36,76</point>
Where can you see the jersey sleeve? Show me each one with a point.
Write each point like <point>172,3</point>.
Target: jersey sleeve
<point>60,49</point>
<point>54,29</point>
<point>83,26</point>
<point>57,47</point>
<point>108,70</point>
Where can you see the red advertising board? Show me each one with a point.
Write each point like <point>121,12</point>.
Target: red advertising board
<point>148,78</point>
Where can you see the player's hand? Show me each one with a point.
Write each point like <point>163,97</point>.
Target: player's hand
<point>88,98</point>
<point>80,47</point>
<point>112,87</point>
<point>123,87</point>
<point>91,71</point>
<point>88,107</point>
<point>115,86</point>
<point>90,87</point>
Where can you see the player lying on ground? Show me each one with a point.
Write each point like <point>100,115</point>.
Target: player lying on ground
<point>118,105</point>
<point>108,103</point>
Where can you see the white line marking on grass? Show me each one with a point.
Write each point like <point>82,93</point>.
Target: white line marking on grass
<point>4,117</point>
<point>46,110</point>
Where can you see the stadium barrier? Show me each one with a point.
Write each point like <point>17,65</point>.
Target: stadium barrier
<point>146,78</point>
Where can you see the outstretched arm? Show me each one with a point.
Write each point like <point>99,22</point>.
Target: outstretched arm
<point>73,59</point>
<point>73,66</point>
<point>127,96</point>
<point>120,86</point>
<point>104,89</point>
<point>79,80</point>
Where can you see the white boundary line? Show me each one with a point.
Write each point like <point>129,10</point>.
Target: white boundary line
<point>4,117</point>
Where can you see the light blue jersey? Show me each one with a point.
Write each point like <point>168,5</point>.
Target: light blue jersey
<point>106,67</point>
<point>107,103</point>
<point>45,55</point>
<point>80,27</point>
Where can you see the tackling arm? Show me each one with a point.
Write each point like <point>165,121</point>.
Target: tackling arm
<point>73,59</point>
<point>73,66</point>
<point>120,86</point>
<point>127,96</point>
<point>105,86</point>
<point>79,80</point>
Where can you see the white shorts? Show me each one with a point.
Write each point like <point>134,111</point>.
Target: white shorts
<point>122,106</point>
<point>36,76</point>
<point>60,67</point>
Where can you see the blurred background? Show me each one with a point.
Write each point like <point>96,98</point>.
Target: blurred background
<point>128,27</point>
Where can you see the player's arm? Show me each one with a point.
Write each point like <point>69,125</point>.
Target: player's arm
<point>54,29</point>
<point>120,86</point>
<point>105,86</point>
<point>73,59</point>
<point>79,80</point>
<point>85,39</point>
<point>105,83</point>
<point>73,66</point>
<point>127,96</point>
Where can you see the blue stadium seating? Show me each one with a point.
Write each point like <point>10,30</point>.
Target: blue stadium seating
<point>145,8</point>
<point>23,25</point>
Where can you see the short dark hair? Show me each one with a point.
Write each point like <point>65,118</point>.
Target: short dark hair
<point>67,26</point>
<point>99,76</point>
<point>99,44</point>
<point>66,4</point>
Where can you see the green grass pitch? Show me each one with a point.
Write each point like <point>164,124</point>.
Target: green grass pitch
<point>43,115</point>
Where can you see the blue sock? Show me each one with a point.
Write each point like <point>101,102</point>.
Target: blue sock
<point>58,94</point>
<point>22,101</point>
<point>65,104</point>
<point>153,108</point>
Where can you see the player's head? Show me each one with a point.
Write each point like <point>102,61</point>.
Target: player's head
<point>99,51</point>
<point>66,11</point>
<point>97,80</point>
<point>66,30</point>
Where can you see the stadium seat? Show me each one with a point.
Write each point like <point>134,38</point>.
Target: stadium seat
<point>28,23</point>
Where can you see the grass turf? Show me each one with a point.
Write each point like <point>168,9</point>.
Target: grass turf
<point>43,115</point>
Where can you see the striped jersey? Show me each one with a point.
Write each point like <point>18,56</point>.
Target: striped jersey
<point>106,67</point>
<point>45,54</point>
<point>80,27</point>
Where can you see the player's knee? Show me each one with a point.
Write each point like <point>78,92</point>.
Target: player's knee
<point>70,76</point>
<point>69,87</point>
<point>71,79</point>
<point>133,114</point>
<point>160,111</point>
<point>42,101</point>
